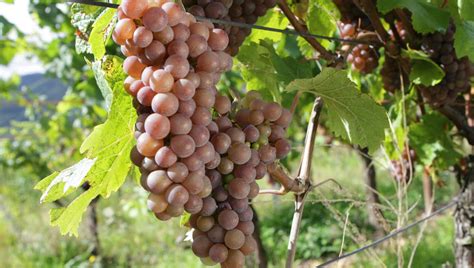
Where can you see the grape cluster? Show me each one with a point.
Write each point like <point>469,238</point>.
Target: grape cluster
<point>362,57</point>
<point>392,75</point>
<point>195,154</point>
<point>440,48</point>
<point>403,169</point>
<point>246,141</point>
<point>244,11</point>
<point>173,63</point>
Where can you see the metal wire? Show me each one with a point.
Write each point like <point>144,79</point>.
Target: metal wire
<point>393,234</point>
<point>240,24</point>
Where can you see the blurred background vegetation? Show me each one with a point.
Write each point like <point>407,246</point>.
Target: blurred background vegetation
<point>49,102</point>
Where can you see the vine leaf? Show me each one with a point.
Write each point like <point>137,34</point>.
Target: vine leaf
<point>351,115</point>
<point>424,71</point>
<point>322,17</point>
<point>101,32</point>
<point>464,39</point>
<point>431,141</point>
<point>466,9</point>
<point>272,19</point>
<point>264,70</point>
<point>427,18</point>
<point>107,157</point>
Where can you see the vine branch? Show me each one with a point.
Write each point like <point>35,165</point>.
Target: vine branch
<point>459,120</point>
<point>304,174</point>
<point>300,28</point>
<point>369,8</point>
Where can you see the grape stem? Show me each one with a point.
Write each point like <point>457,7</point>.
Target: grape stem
<point>369,8</point>
<point>301,28</point>
<point>304,177</point>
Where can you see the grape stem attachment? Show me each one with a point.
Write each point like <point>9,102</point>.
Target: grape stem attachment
<point>371,10</point>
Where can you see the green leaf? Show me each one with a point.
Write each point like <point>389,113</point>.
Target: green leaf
<point>321,18</point>
<point>101,32</point>
<point>8,50</point>
<point>108,145</point>
<point>431,141</point>
<point>424,71</point>
<point>108,72</point>
<point>264,70</point>
<point>69,218</point>
<point>466,9</point>
<point>426,17</point>
<point>272,19</point>
<point>351,115</point>
<point>464,39</point>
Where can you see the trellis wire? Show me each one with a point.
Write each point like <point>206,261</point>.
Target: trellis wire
<point>239,24</point>
<point>393,234</point>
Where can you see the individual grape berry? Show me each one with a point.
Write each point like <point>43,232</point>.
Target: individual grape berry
<point>228,219</point>
<point>234,239</point>
<point>157,203</point>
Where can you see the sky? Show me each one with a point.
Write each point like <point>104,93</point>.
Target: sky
<point>17,14</point>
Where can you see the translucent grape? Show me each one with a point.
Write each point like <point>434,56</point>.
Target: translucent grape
<point>177,195</point>
<point>180,124</point>
<point>228,219</point>
<point>158,182</point>
<point>182,145</point>
<point>155,19</point>
<point>157,203</point>
<point>165,157</point>
<point>157,126</point>
<point>147,145</point>
<point>165,104</point>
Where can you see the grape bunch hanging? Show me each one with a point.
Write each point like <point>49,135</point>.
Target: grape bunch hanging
<point>458,72</point>
<point>243,11</point>
<point>196,153</point>
<point>354,22</point>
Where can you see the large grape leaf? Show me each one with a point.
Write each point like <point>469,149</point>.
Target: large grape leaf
<point>351,115</point>
<point>426,17</point>
<point>264,70</point>
<point>431,141</point>
<point>423,71</point>
<point>464,39</point>
<point>321,18</point>
<point>108,146</point>
<point>101,32</point>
